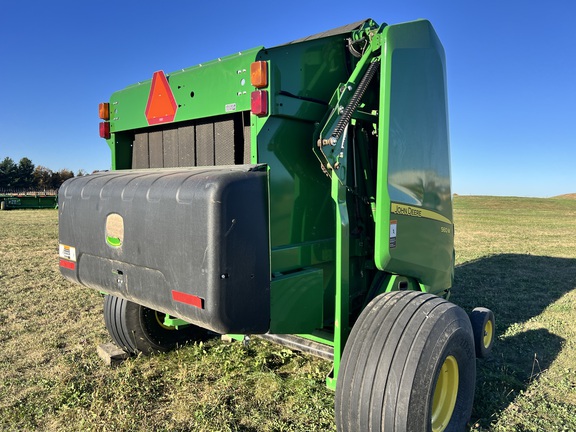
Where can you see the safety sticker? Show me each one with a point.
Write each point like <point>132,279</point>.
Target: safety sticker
<point>393,231</point>
<point>67,252</point>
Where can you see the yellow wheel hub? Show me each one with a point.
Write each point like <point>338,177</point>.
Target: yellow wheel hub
<point>488,334</point>
<point>445,394</point>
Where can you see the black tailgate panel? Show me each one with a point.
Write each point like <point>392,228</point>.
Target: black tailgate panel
<point>190,242</point>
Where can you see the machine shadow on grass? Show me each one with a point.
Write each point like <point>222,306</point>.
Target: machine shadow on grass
<point>516,288</point>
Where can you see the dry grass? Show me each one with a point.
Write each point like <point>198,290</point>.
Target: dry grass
<point>566,196</point>
<point>52,379</point>
<point>516,256</point>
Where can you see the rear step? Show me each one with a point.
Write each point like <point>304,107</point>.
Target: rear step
<point>298,343</point>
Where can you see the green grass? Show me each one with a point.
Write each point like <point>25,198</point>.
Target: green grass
<point>515,256</point>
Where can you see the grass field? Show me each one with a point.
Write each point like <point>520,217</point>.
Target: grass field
<point>515,256</point>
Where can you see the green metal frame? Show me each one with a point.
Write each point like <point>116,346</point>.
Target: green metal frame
<point>333,154</point>
<point>342,310</point>
<point>170,321</point>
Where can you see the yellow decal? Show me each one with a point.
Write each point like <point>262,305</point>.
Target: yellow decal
<point>406,210</point>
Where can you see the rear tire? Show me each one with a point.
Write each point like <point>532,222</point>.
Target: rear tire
<point>138,329</point>
<point>484,327</point>
<point>408,365</point>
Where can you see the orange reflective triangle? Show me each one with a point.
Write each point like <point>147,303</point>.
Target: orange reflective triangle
<point>161,106</point>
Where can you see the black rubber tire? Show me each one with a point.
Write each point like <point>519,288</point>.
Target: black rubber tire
<point>392,361</point>
<point>483,325</point>
<point>137,329</point>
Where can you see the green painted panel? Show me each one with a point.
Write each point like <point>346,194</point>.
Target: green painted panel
<point>303,77</point>
<point>294,257</point>
<point>121,150</point>
<point>301,209</point>
<point>28,201</point>
<point>296,302</point>
<point>309,71</point>
<point>413,197</point>
<point>217,87</point>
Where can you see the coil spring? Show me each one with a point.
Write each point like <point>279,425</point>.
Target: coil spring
<point>355,100</point>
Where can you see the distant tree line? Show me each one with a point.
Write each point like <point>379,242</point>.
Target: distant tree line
<point>25,177</point>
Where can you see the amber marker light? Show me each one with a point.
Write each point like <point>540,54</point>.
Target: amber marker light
<point>104,111</point>
<point>259,74</point>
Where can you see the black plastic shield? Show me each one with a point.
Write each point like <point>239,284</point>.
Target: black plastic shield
<point>190,242</point>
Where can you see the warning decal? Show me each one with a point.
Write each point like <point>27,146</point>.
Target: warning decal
<point>67,252</point>
<point>393,231</point>
<point>161,106</point>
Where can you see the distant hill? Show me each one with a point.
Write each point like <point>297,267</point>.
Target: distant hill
<point>567,196</point>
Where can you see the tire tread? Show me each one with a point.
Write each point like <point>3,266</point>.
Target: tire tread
<point>385,368</point>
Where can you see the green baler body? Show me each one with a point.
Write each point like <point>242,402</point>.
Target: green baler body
<point>346,221</point>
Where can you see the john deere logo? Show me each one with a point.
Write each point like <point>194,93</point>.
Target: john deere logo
<point>114,230</point>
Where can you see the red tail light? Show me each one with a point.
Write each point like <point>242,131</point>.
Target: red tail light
<point>259,103</point>
<point>105,130</point>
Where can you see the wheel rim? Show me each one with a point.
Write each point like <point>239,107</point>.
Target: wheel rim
<point>488,334</point>
<point>445,394</point>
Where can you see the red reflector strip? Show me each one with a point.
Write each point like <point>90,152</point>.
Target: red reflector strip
<point>188,299</point>
<point>70,265</point>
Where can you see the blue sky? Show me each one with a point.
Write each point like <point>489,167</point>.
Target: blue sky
<point>511,69</point>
